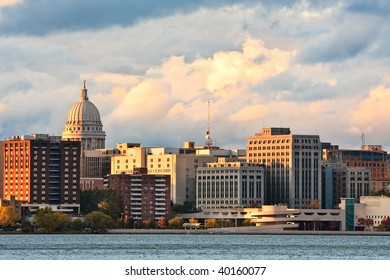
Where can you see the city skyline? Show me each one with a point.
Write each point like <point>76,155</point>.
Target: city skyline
<point>318,68</point>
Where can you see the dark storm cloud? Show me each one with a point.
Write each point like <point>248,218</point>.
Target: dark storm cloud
<point>41,17</point>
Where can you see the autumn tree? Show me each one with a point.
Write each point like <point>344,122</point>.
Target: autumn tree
<point>162,223</point>
<point>176,223</point>
<point>7,216</point>
<point>193,221</point>
<point>211,223</point>
<point>385,223</point>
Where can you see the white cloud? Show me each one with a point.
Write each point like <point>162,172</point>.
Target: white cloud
<point>151,80</point>
<point>4,3</point>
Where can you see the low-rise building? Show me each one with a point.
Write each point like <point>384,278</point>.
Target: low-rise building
<point>229,183</point>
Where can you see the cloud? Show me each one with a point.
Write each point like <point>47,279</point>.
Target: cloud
<point>176,93</point>
<point>151,67</point>
<point>5,3</point>
<point>46,17</point>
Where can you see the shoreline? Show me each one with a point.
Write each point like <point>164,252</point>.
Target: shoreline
<point>245,231</point>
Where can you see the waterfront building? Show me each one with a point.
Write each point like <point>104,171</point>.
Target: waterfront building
<point>41,169</point>
<point>84,124</point>
<point>142,196</point>
<point>292,166</point>
<point>275,217</point>
<point>373,207</point>
<point>372,157</point>
<point>229,183</point>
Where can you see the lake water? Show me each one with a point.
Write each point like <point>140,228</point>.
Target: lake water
<point>188,247</point>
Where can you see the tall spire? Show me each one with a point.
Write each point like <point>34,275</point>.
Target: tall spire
<point>84,95</point>
<point>209,141</point>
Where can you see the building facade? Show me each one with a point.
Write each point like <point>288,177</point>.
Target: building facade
<point>84,124</point>
<point>179,163</point>
<point>292,166</point>
<point>369,156</point>
<point>340,181</point>
<point>229,184</point>
<point>142,197</point>
<point>42,169</point>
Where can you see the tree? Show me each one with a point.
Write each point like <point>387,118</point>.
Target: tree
<point>178,209</point>
<point>105,201</point>
<point>361,222</point>
<point>247,223</point>
<point>369,223</point>
<point>51,221</point>
<point>77,224</point>
<point>98,221</point>
<point>385,223</point>
<point>162,223</point>
<point>176,222</point>
<point>7,216</point>
<point>211,223</point>
<point>26,227</point>
<point>193,221</point>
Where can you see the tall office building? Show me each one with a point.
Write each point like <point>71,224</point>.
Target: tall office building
<point>84,124</point>
<point>292,166</point>
<point>42,169</point>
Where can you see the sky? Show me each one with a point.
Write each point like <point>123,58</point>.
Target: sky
<point>318,67</point>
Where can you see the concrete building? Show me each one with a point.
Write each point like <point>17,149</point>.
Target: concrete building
<point>276,217</point>
<point>179,163</point>
<point>229,184</point>
<point>372,157</point>
<point>341,181</point>
<point>84,124</point>
<point>42,169</point>
<point>292,166</point>
<point>142,196</point>
<point>373,207</point>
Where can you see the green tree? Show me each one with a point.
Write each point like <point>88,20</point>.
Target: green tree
<point>178,209</point>
<point>98,221</point>
<point>26,227</point>
<point>105,201</point>
<point>51,221</point>
<point>176,222</point>
<point>77,224</point>
<point>7,216</point>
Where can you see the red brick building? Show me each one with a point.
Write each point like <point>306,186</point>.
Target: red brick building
<point>142,196</point>
<point>41,169</point>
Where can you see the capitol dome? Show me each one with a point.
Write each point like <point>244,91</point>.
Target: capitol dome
<point>84,124</point>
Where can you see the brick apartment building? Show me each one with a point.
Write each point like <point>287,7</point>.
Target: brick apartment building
<point>142,196</point>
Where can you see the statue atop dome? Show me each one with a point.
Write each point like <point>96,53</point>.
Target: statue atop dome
<point>84,95</point>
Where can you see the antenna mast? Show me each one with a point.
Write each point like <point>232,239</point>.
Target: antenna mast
<point>209,141</point>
